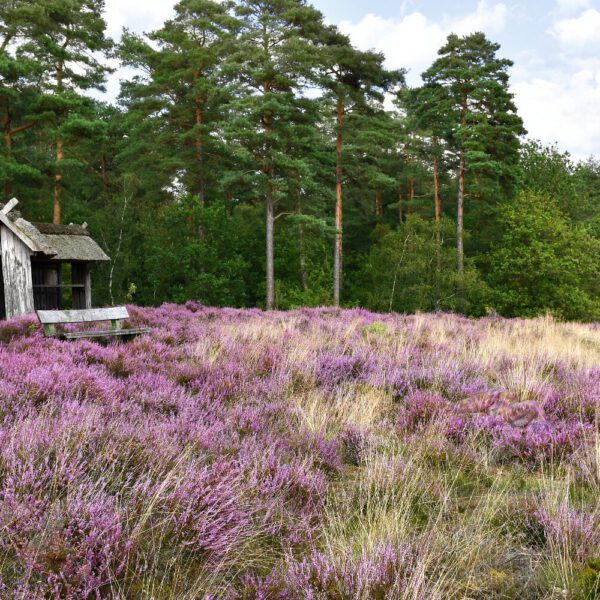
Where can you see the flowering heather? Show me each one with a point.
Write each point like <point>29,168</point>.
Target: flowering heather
<point>313,454</point>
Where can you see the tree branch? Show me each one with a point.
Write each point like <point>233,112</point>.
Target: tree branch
<point>21,128</point>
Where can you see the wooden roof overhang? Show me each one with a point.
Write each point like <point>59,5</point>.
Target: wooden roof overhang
<point>60,243</point>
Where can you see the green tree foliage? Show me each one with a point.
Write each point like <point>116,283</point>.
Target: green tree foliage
<point>475,108</point>
<point>400,272</point>
<point>354,83</point>
<point>19,94</point>
<point>585,200</point>
<point>277,58</point>
<point>253,137</point>
<point>51,53</point>
<point>66,39</point>
<point>226,276</point>
<point>177,104</point>
<point>547,170</point>
<point>543,263</point>
<point>575,186</point>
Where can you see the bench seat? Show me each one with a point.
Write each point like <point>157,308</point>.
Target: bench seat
<point>50,318</point>
<point>76,335</point>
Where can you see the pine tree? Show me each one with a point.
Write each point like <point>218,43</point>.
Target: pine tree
<point>351,78</point>
<point>428,132</point>
<point>485,128</point>
<point>19,93</point>
<point>176,109</point>
<point>276,59</point>
<point>66,39</point>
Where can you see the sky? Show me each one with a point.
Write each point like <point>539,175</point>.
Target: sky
<point>554,44</point>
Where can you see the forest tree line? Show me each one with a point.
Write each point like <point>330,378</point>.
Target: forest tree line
<point>255,157</point>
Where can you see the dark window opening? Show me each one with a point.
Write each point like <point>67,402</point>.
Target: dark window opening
<point>58,286</point>
<point>78,291</point>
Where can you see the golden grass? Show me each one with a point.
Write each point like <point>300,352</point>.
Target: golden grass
<point>459,510</point>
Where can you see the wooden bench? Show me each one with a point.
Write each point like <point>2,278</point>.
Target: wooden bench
<point>50,318</point>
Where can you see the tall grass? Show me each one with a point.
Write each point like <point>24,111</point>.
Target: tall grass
<point>317,454</point>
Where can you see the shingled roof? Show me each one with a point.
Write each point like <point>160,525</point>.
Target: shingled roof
<point>67,242</point>
<point>56,242</point>
<point>59,229</point>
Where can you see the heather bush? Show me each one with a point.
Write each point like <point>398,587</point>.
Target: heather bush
<point>383,572</point>
<point>318,453</point>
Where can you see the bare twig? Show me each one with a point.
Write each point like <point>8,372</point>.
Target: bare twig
<point>396,271</point>
<point>119,243</point>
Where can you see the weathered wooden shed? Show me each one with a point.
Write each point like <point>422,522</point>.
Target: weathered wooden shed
<point>33,262</point>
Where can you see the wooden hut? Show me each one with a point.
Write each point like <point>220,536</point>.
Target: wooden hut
<point>34,255</point>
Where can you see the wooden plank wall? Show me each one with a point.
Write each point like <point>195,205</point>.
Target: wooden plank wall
<point>16,271</point>
<point>88,286</point>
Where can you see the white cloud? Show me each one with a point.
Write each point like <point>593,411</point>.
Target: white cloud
<point>571,5</point>
<point>562,107</point>
<point>136,16</point>
<point>578,31</point>
<point>490,19</point>
<point>557,96</point>
<point>412,40</point>
<point>127,13</point>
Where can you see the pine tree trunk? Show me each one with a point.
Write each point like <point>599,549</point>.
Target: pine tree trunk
<point>301,244</point>
<point>270,222</point>
<point>438,239</point>
<point>436,191</point>
<point>200,183</point>
<point>378,204</point>
<point>460,215</point>
<point>268,172</point>
<point>303,274</point>
<point>337,254</point>
<point>60,154</point>
<point>57,212</point>
<point>412,196</point>
<point>460,211</point>
<point>400,204</point>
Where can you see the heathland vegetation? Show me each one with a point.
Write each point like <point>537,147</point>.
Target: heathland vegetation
<point>311,454</point>
<point>254,157</point>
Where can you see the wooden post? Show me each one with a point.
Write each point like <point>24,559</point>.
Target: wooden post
<point>16,270</point>
<point>82,285</point>
<point>2,286</point>
<point>49,329</point>
<point>88,286</point>
<point>10,205</point>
